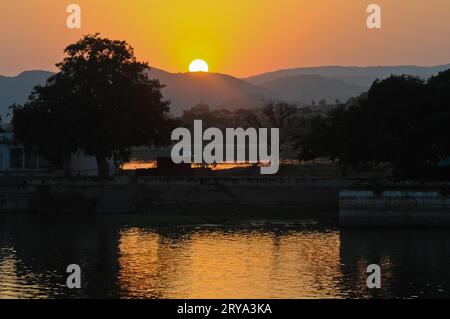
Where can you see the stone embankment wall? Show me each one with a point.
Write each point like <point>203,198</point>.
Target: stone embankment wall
<point>394,208</point>
<point>123,196</point>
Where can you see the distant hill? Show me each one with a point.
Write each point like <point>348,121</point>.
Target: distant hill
<point>16,89</point>
<point>361,76</point>
<point>185,90</point>
<point>306,88</point>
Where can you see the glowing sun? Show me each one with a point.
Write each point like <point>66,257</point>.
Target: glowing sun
<point>198,66</point>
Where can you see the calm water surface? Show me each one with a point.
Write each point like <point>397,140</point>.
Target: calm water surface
<point>250,260</point>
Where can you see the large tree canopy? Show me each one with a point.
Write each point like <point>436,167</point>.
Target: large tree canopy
<point>101,102</point>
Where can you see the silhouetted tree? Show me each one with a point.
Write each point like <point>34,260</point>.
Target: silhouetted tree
<point>101,102</point>
<point>399,109</point>
<point>279,114</point>
<point>332,135</point>
<point>247,118</point>
<point>401,120</point>
<point>439,122</point>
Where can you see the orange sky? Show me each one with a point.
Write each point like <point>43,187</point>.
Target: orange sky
<point>238,37</point>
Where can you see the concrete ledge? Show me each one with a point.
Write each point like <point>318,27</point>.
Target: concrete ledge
<point>393,208</point>
<point>303,194</point>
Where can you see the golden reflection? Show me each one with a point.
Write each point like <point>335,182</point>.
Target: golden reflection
<point>13,286</point>
<point>134,165</point>
<point>218,264</point>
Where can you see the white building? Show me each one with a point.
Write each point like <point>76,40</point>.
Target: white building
<point>15,159</point>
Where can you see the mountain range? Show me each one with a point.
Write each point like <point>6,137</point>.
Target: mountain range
<point>360,76</point>
<point>16,89</point>
<point>299,85</point>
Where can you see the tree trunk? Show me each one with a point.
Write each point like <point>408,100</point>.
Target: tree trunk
<point>102,167</point>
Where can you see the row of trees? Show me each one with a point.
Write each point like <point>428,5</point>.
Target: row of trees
<point>402,120</point>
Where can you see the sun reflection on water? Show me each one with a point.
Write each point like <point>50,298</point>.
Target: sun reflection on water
<point>218,264</point>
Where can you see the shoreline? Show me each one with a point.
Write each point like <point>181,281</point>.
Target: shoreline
<point>171,215</point>
<point>285,195</point>
<point>176,200</point>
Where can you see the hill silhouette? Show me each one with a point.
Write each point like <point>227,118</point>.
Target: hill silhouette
<point>16,89</point>
<point>184,90</point>
<point>305,88</point>
<point>361,76</point>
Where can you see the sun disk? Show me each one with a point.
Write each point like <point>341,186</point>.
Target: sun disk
<point>198,66</point>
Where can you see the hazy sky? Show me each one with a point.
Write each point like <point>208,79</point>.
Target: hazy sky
<point>238,37</point>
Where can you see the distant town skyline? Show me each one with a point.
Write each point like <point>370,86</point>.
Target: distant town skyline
<point>234,37</point>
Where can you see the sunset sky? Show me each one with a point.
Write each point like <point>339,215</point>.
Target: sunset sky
<point>236,37</point>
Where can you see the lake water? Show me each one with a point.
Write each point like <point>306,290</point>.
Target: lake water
<point>248,260</point>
